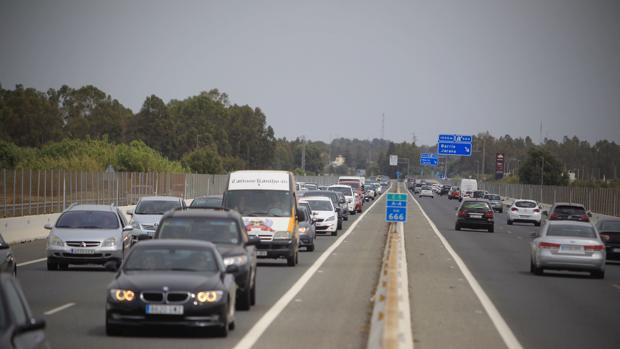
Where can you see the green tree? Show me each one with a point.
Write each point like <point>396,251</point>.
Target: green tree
<point>539,162</point>
<point>203,160</point>
<point>154,126</point>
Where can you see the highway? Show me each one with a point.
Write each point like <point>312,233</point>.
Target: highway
<point>74,300</point>
<point>556,310</point>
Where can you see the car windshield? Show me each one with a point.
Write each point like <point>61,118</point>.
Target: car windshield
<point>426,188</point>
<point>216,230</point>
<point>344,190</point>
<point>525,204</point>
<point>171,258</point>
<point>320,205</point>
<point>206,202</point>
<point>260,203</point>
<point>322,193</point>
<point>88,220</point>
<point>475,206</point>
<point>605,226</point>
<point>581,231</point>
<point>492,197</point>
<point>569,211</point>
<point>156,206</point>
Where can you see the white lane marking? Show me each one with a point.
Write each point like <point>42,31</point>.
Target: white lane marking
<point>265,321</point>
<point>500,324</point>
<point>31,262</point>
<point>60,308</point>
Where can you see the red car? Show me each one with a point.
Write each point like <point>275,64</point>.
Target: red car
<point>455,195</point>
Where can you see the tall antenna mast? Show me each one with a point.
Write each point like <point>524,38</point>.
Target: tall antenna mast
<point>382,126</point>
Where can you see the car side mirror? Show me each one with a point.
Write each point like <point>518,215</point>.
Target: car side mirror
<point>33,324</point>
<point>253,240</point>
<point>589,213</point>
<point>545,213</point>
<point>128,228</point>
<point>48,226</point>
<point>232,269</point>
<point>130,212</point>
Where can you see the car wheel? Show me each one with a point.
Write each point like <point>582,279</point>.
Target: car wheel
<point>509,222</point>
<point>599,274</point>
<point>231,326</point>
<point>52,266</point>
<point>244,298</point>
<point>491,229</point>
<point>112,265</point>
<point>310,248</point>
<point>339,225</point>
<point>113,330</point>
<point>290,260</point>
<point>335,232</point>
<point>296,257</point>
<point>222,331</point>
<point>63,266</point>
<point>457,226</point>
<point>253,294</point>
<point>534,269</point>
<point>353,213</point>
<point>15,270</point>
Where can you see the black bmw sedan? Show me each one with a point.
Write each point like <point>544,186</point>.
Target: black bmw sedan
<point>172,282</point>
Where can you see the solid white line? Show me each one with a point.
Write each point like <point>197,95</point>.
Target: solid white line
<point>265,321</point>
<point>405,324</point>
<point>60,308</point>
<point>31,262</point>
<point>500,324</point>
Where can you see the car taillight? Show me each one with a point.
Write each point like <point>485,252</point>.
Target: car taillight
<point>553,216</point>
<point>536,210</point>
<point>548,245</point>
<point>584,218</point>
<point>591,248</point>
<point>605,237</point>
<point>514,209</point>
<point>462,213</point>
<point>488,214</point>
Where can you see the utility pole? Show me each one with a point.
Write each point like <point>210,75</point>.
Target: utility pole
<point>542,172</point>
<point>483,154</point>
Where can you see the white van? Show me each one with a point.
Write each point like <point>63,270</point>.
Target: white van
<point>468,185</point>
<point>267,202</point>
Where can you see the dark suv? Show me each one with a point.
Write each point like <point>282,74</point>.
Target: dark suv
<point>225,229</point>
<point>563,211</point>
<point>476,214</point>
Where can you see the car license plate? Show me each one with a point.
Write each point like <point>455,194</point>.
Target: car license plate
<point>571,249</point>
<point>82,251</point>
<point>524,216</point>
<point>616,250</point>
<point>261,253</point>
<point>475,215</point>
<point>160,309</point>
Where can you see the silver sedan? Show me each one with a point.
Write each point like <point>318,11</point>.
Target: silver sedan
<point>568,245</point>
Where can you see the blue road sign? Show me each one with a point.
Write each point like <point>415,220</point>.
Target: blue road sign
<point>429,161</point>
<point>396,207</point>
<point>396,214</point>
<point>459,149</point>
<point>454,139</point>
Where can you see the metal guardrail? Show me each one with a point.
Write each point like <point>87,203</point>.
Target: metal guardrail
<point>26,192</point>
<point>604,201</point>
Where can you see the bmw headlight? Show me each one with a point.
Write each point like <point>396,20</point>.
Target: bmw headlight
<point>120,295</point>
<point>209,296</point>
<point>109,242</point>
<point>281,235</point>
<point>303,229</point>
<point>237,260</point>
<point>330,218</point>
<point>55,241</point>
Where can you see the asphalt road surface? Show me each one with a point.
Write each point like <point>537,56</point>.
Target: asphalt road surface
<point>556,310</point>
<point>73,301</point>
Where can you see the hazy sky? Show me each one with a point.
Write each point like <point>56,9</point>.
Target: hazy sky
<point>328,69</point>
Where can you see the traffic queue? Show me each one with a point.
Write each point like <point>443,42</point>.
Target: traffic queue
<point>195,265</point>
<point>567,240</point>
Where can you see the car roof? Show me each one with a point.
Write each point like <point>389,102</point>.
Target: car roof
<point>219,196</point>
<point>213,212</point>
<point>160,198</point>
<point>316,198</point>
<point>91,207</point>
<point>339,186</point>
<point>569,222</point>
<point>568,204</point>
<point>175,243</point>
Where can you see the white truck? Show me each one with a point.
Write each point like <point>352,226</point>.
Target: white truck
<point>468,185</point>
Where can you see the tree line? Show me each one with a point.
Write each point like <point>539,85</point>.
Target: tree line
<point>85,128</point>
